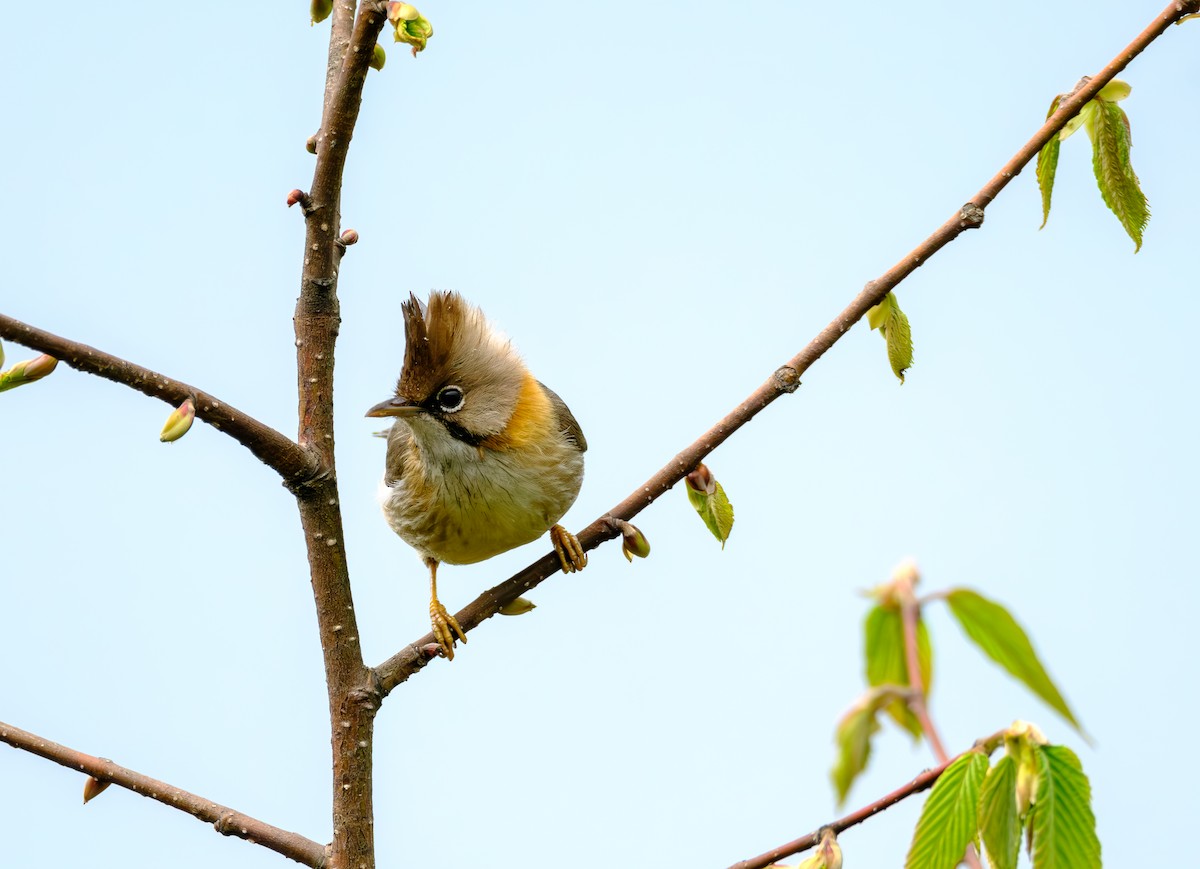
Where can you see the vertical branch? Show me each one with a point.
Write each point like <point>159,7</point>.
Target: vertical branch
<point>353,695</point>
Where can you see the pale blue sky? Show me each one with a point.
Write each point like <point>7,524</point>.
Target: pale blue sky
<point>660,203</point>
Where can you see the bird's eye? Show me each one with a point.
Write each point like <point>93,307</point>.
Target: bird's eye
<point>450,398</point>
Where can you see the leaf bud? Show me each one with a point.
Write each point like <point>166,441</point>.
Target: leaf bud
<point>93,787</point>
<point>178,422</point>
<point>378,57</point>
<point>320,10</point>
<point>701,480</point>
<point>349,237</point>
<point>410,27</point>
<point>27,371</point>
<point>517,607</point>
<point>633,541</point>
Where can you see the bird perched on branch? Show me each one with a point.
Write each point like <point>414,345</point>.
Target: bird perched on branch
<point>482,457</point>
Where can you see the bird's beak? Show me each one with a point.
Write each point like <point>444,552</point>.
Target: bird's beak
<point>393,407</point>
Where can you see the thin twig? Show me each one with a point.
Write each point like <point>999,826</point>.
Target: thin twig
<point>279,452</point>
<point>225,820</point>
<point>786,379</point>
<point>922,782</point>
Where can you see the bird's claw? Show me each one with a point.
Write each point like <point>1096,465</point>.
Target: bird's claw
<point>445,628</point>
<point>570,553</point>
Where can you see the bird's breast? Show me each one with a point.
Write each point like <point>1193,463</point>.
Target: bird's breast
<point>461,504</point>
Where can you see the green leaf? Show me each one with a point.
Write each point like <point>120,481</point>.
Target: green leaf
<point>714,509</point>
<point>892,324</point>
<point>1108,127</point>
<point>999,821</point>
<point>1115,91</point>
<point>997,633</point>
<point>1047,165</point>
<point>853,739</point>
<point>949,820</point>
<point>886,664</point>
<point>1063,826</point>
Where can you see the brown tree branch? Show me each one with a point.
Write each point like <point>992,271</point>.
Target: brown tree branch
<point>294,463</point>
<point>353,695</point>
<point>922,782</point>
<point>786,379</point>
<point>226,821</point>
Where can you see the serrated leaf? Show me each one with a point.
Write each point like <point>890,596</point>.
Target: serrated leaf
<point>1061,821</point>
<point>715,510</point>
<point>999,820</point>
<point>893,325</point>
<point>1108,127</point>
<point>996,632</point>
<point>1047,166</point>
<point>853,740</point>
<point>886,663</point>
<point>949,820</point>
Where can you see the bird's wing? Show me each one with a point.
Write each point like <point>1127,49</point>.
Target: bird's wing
<point>398,442</point>
<point>566,420</point>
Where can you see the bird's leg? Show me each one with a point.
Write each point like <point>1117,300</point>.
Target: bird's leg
<point>444,625</point>
<point>570,553</point>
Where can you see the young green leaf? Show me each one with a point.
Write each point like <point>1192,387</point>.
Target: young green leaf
<point>892,324</point>
<point>886,663</point>
<point>853,739</point>
<point>999,821</point>
<point>1108,127</point>
<point>1061,821</point>
<point>949,820</point>
<point>1047,165</point>
<point>997,633</point>
<point>708,497</point>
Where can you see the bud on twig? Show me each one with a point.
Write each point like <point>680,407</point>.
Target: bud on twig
<point>633,541</point>
<point>92,788</point>
<point>378,57</point>
<point>349,237</point>
<point>410,27</point>
<point>517,607</point>
<point>310,144</point>
<point>178,422</point>
<point>320,10</point>
<point>27,372</point>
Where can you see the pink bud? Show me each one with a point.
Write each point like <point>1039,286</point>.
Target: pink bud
<point>178,422</point>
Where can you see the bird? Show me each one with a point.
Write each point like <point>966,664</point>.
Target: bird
<point>482,457</point>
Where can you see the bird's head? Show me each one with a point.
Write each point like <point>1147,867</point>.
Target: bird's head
<point>458,370</point>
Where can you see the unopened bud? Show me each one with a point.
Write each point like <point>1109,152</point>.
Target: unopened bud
<point>310,144</point>
<point>702,480</point>
<point>27,372</point>
<point>320,10</point>
<point>402,12</point>
<point>93,787</point>
<point>516,607</point>
<point>633,541</point>
<point>378,57</point>
<point>906,572</point>
<point>349,237</point>
<point>178,422</point>
<point>294,197</point>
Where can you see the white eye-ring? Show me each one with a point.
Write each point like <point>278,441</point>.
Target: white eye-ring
<point>450,398</point>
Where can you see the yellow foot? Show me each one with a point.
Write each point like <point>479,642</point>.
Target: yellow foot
<point>570,553</point>
<point>445,627</point>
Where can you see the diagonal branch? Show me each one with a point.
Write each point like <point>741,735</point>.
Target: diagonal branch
<point>786,379</point>
<point>294,463</point>
<point>226,821</point>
